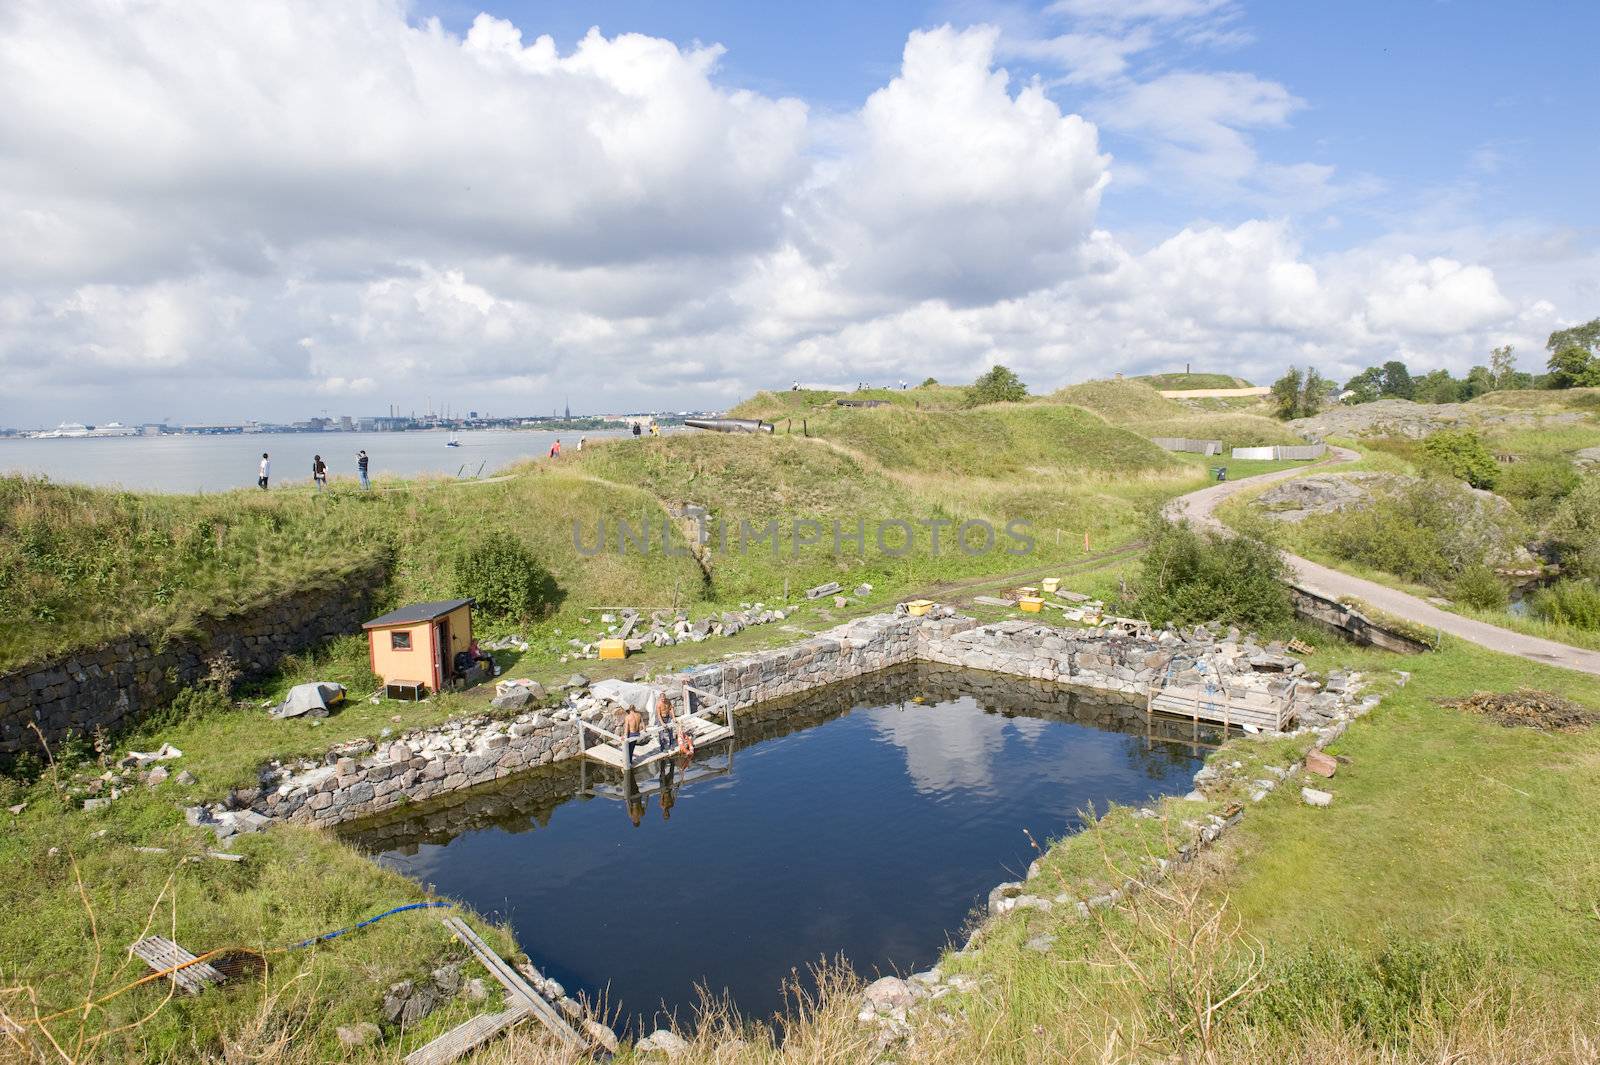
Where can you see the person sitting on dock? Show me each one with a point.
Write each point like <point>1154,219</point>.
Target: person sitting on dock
<point>632,734</point>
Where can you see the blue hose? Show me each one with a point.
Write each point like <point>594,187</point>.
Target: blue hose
<point>370,920</point>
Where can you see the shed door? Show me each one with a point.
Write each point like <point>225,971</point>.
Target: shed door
<point>438,633</point>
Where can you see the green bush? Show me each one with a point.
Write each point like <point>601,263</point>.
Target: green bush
<point>1462,454</point>
<point>1188,576</point>
<point>1569,602</point>
<point>999,385</point>
<point>1425,531</point>
<point>1575,529</point>
<point>1537,485</point>
<point>1480,587</point>
<point>506,579</point>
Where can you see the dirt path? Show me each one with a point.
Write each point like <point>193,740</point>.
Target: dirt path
<point>1199,508</point>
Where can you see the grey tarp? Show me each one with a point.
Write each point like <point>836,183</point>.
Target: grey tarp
<point>313,699</point>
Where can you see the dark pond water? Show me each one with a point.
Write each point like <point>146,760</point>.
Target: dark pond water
<point>866,821</point>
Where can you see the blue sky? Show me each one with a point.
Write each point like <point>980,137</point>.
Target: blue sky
<point>227,210</point>
<point>1473,103</point>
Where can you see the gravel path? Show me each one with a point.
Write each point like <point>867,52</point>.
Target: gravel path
<point>1199,508</point>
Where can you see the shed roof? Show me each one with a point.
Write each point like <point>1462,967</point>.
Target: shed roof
<point>417,612</point>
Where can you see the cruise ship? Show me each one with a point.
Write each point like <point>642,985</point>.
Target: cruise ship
<point>73,430</point>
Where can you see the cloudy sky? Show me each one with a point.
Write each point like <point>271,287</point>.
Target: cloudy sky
<point>219,210</point>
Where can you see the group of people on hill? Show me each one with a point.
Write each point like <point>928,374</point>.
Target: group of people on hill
<point>319,471</point>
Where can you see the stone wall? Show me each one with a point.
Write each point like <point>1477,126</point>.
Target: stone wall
<point>363,780</point>
<point>1353,624</point>
<point>112,685</point>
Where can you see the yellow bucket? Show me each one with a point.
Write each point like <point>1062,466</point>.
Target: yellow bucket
<point>613,649</point>
<point>1030,604</point>
<point>1050,584</point>
<point>918,607</point>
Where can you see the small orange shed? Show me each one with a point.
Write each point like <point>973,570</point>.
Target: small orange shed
<point>417,644</point>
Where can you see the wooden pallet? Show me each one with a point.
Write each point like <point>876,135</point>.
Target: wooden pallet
<point>177,964</point>
<point>1226,708</point>
<point>517,989</point>
<point>463,1039</point>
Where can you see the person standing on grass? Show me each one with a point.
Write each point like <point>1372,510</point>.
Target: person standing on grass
<point>319,472</point>
<point>263,471</point>
<point>555,449</point>
<point>581,441</point>
<point>361,470</point>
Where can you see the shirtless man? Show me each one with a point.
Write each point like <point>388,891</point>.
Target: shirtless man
<point>632,734</point>
<point>666,736</point>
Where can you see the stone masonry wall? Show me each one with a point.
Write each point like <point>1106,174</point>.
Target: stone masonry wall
<point>110,686</point>
<point>363,779</point>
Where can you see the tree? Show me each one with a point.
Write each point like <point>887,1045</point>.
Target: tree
<point>1397,383</point>
<point>1437,387</point>
<point>506,579</point>
<point>1480,379</point>
<point>1573,352</point>
<point>1462,454</point>
<point>1585,336</point>
<point>1366,386</point>
<point>1503,367</point>
<point>1300,395</point>
<point>1574,367</point>
<point>1286,393</point>
<point>999,385</point>
<point>1188,576</point>
<point>929,382</point>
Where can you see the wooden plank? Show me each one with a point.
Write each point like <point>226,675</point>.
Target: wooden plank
<point>165,956</point>
<point>515,985</point>
<point>465,1038</point>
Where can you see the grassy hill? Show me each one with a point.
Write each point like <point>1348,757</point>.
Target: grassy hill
<point>84,564</point>
<point>1139,407</point>
<point>1175,381</point>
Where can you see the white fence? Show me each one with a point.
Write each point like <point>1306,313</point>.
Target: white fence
<point>1276,454</point>
<point>1183,443</point>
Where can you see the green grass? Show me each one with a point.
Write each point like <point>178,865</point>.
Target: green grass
<point>1444,825</point>
<point>1175,381</point>
<point>293,884</point>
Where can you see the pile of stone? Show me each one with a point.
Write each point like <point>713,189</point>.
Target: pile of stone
<point>146,768</point>
<point>667,628</point>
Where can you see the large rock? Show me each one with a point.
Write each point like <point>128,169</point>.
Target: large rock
<point>888,993</point>
<point>1299,498</point>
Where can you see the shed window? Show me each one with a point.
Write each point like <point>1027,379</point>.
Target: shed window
<point>400,641</point>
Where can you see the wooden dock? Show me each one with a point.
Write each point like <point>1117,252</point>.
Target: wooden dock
<point>1220,705</point>
<point>711,721</point>
<point>182,968</point>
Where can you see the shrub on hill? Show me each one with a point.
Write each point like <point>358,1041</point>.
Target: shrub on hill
<point>1462,454</point>
<point>1575,528</point>
<point>506,579</point>
<point>999,385</point>
<point>1188,576</point>
<point>1480,587</point>
<point>1538,484</point>
<point>1427,531</point>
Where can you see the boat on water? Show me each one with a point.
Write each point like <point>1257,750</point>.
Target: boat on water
<point>730,425</point>
<point>78,431</point>
<point>452,442</point>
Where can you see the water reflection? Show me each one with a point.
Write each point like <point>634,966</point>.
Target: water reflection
<point>866,818</point>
